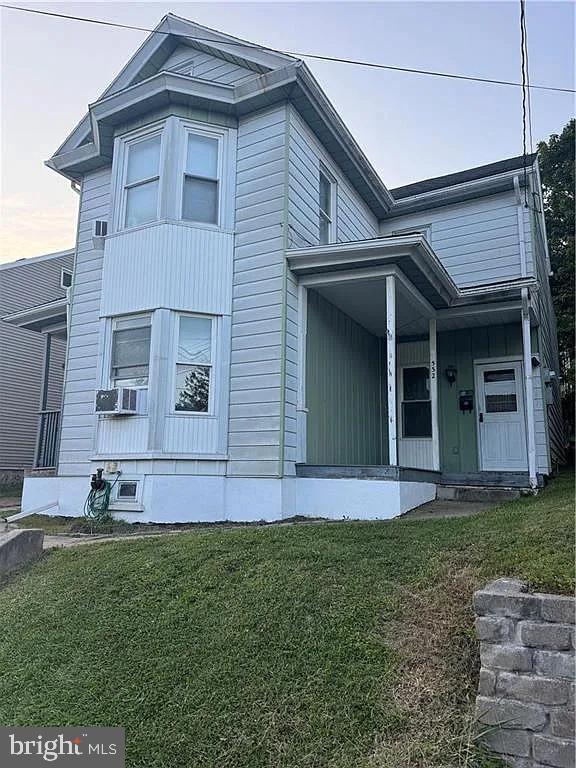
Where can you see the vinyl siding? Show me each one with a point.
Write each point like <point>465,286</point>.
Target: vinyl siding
<point>477,241</point>
<point>207,67</point>
<point>354,221</point>
<point>257,348</point>
<point>551,415</point>
<point>343,381</point>
<point>84,345</point>
<point>23,286</point>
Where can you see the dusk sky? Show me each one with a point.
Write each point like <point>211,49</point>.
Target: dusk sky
<point>411,127</point>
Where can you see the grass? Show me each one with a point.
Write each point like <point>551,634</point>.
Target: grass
<point>321,646</point>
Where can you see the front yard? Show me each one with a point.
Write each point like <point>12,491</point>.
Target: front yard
<point>329,645</point>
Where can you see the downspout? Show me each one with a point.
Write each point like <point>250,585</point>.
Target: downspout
<point>529,388</point>
<point>521,234</point>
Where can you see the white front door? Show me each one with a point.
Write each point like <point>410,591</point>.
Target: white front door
<point>501,417</point>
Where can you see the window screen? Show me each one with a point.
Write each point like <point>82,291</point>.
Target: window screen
<point>500,391</point>
<point>131,351</point>
<point>141,183</point>
<point>200,195</point>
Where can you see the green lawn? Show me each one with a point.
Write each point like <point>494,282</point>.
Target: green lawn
<point>338,645</point>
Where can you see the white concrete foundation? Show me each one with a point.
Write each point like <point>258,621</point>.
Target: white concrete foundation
<point>199,498</point>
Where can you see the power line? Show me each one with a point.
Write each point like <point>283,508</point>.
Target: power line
<point>524,66</point>
<point>317,56</point>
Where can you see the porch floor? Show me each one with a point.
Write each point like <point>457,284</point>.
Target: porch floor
<point>412,474</point>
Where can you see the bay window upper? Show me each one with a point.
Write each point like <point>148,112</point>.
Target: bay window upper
<point>174,171</point>
<point>141,180</point>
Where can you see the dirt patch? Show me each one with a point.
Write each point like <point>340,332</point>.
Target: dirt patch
<point>437,678</point>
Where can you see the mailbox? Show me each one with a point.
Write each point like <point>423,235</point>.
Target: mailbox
<point>466,400</point>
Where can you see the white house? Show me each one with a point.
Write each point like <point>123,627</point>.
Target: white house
<point>292,336</point>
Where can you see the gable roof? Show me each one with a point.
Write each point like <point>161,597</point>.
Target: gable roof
<point>171,32</point>
<point>471,174</point>
<point>144,85</point>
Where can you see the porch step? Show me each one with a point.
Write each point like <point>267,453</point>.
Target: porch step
<point>476,493</point>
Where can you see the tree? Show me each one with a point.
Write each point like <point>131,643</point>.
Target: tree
<point>556,157</point>
<point>194,395</point>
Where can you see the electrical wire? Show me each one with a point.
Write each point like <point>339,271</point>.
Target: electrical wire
<point>317,56</point>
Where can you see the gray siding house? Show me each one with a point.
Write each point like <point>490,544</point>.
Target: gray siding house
<point>296,337</point>
<point>32,363</point>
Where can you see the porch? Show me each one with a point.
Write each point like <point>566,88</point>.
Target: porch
<point>404,376</point>
<point>51,320</point>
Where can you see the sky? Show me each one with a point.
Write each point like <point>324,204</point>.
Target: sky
<point>410,127</point>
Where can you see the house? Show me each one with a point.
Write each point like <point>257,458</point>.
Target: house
<point>31,364</point>
<point>283,333</point>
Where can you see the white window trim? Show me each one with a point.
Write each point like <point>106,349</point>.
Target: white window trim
<point>213,387</point>
<point>64,271</point>
<point>119,168</point>
<point>187,128</point>
<point>108,361</point>
<point>174,131</point>
<point>124,505</point>
<point>332,215</point>
<point>401,400</point>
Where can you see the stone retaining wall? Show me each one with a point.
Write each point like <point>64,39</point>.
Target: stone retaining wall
<point>525,704</point>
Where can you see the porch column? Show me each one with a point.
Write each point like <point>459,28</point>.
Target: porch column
<point>391,368</point>
<point>434,395</point>
<point>529,388</point>
<point>43,399</point>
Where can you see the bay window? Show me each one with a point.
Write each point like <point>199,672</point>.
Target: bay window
<point>130,354</point>
<point>201,182</point>
<point>194,361</point>
<point>174,171</point>
<point>142,180</point>
<point>416,405</point>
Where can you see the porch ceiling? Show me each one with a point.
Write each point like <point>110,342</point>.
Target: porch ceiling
<point>365,302</point>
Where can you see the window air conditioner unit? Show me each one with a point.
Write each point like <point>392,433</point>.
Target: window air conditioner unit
<point>116,402</point>
<point>99,232</point>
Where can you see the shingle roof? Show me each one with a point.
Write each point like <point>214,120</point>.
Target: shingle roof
<point>472,174</point>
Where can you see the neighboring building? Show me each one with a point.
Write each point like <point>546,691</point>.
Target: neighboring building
<point>300,338</point>
<point>31,363</point>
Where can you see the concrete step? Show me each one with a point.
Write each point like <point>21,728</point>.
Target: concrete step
<point>476,493</point>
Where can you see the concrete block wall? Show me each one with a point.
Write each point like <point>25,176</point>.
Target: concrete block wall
<point>525,703</point>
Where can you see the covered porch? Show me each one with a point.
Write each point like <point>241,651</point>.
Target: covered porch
<point>404,376</point>
<point>51,320</point>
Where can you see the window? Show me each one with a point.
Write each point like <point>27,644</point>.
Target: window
<point>127,490</point>
<point>416,407</point>
<point>130,357</point>
<point>193,364</point>
<point>65,278</point>
<point>142,180</point>
<point>200,193</point>
<point>500,391</point>
<point>326,205</point>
